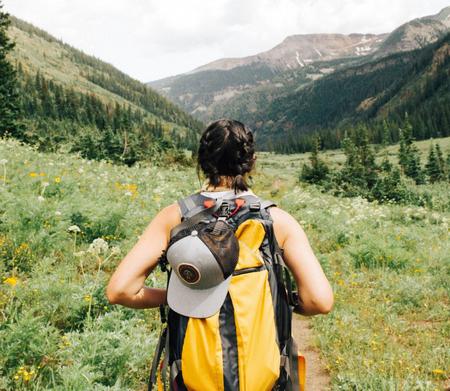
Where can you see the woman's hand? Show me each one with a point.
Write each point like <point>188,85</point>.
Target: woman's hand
<point>315,293</point>
<point>126,286</point>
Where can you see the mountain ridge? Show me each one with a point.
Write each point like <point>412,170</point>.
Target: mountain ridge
<point>284,65</point>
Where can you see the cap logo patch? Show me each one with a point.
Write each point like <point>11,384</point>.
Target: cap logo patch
<point>188,273</point>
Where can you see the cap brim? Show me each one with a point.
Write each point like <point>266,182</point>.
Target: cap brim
<point>196,303</point>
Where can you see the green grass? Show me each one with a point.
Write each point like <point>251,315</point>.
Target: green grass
<point>389,266</point>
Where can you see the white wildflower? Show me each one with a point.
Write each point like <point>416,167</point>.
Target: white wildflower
<point>3,161</point>
<point>45,184</point>
<point>115,250</point>
<point>40,198</point>
<point>128,193</point>
<point>58,213</point>
<point>80,170</point>
<point>98,246</point>
<point>74,228</point>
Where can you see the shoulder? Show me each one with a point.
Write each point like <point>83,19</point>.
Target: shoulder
<point>280,216</point>
<point>168,217</point>
<point>283,224</point>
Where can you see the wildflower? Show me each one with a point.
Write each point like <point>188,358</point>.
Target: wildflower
<point>11,281</point>
<point>57,179</point>
<point>438,372</point>
<point>87,298</point>
<point>80,170</point>
<point>115,250</point>
<point>128,193</point>
<point>41,198</point>
<point>74,228</point>
<point>42,174</point>
<point>58,213</point>
<point>3,161</point>
<point>33,174</point>
<point>98,246</point>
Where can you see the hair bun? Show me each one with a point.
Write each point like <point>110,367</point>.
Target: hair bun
<point>226,149</point>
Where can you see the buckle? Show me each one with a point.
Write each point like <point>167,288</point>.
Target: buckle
<point>224,210</point>
<point>255,206</point>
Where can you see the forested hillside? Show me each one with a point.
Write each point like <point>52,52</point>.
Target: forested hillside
<point>72,99</point>
<point>247,84</point>
<point>375,95</point>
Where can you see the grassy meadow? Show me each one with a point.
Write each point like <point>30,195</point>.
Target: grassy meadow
<point>65,223</point>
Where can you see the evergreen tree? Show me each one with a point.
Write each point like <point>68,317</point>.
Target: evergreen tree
<point>318,170</point>
<point>408,156</point>
<point>448,166</point>
<point>440,158</point>
<point>432,167</point>
<point>9,99</point>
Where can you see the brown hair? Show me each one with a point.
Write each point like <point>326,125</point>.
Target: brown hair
<point>226,149</point>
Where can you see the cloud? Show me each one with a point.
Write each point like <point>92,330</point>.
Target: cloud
<point>151,39</point>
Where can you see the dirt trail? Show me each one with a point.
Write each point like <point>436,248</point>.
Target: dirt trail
<point>317,378</point>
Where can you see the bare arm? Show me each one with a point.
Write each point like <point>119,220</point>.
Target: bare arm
<point>313,287</point>
<point>126,286</point>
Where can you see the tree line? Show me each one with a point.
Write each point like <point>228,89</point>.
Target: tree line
<point>42,112</point>
<point>384,182</point>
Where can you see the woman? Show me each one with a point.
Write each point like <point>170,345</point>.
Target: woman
<point>226,156</point>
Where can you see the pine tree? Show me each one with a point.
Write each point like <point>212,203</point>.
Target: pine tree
<point>318,170</point>
<point>406,141</point>
<point>366,156</point>
<point>9,98</point>
<point>432,166</point>
<point>440,158</point>
<point>408,156</point>
<point>448,166</point>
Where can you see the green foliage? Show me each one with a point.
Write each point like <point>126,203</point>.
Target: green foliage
<point>87,125</point>
<point>96,110</point>
<point>376,94</point>
<point>318,170</point>
<point>9,106</point>
<point>58,331</point>
<point>408,157</point>
<point>361,176</point>
<point>377,255</point>
<point>359,173</point>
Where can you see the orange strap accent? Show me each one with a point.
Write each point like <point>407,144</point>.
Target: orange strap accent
<point>301,372</point>
<point>209,203</point>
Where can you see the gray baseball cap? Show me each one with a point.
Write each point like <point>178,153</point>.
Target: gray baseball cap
<point>202,262</point>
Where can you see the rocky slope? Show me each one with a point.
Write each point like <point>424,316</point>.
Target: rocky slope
<point>209,91</point>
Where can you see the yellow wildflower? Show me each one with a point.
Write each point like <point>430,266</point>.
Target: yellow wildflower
<point>87,298</point>
<point>33,174</point>
<point>57,179</point>
<point>42,174</point>
<point>438,372</point>
<point>11,281</point>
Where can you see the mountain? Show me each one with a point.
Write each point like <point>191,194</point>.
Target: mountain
<point>213,84</point>
<point>209,90</point>
<point>88,105</point>
<point>416,33</point>
<point>375,94</point>
<point>297,51</point>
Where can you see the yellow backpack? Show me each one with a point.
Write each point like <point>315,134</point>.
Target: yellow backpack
<point>247,345</point>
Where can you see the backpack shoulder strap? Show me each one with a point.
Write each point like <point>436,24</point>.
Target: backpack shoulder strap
<point>265,205</point>
<point>191,205</point>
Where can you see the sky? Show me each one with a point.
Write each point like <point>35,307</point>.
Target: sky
<point>152,39</point>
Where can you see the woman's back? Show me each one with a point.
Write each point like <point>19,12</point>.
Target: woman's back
<point>226,157</point>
